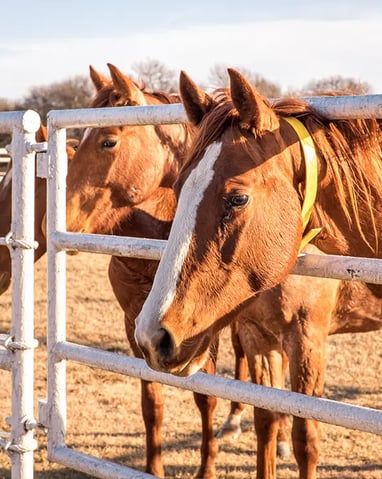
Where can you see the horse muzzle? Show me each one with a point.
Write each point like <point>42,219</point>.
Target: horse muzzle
<point>162,354</point>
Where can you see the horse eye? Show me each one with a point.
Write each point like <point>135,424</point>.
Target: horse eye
<point>109,143</point>
<point>237,200</point>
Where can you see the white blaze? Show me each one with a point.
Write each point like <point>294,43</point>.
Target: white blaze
<point>166,278</point>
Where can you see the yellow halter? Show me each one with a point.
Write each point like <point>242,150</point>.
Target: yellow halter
<point>311,178</point>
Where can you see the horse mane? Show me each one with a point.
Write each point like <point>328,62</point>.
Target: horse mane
<point>351,149</point>
<point>352,153</point>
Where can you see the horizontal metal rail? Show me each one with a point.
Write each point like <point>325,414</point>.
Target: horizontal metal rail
<point>338,107</point>
<point>28,120</point>
<point>109,244</point>
<point>347,107</point>
<point>348,268</point>
<point>95,467</point>
<point>118,116</point>
<point>301,405</point>
<point>308,264</point>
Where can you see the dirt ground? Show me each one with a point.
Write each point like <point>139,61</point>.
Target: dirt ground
<point>104,408</point>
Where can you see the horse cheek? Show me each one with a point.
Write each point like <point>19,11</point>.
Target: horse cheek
<point>274,243</point>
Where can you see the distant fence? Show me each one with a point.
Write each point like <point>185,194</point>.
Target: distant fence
<point>4,161</point>
<point>52,412</point>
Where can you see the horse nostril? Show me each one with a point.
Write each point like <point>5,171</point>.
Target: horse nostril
<point>166,345</point>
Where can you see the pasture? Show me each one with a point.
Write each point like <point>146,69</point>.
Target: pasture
<point>104,416</point>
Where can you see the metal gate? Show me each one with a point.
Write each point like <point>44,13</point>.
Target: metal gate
<point>52,413</point>
<point>59,240</point>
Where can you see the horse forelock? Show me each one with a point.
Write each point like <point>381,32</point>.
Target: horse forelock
<point>109,96</point>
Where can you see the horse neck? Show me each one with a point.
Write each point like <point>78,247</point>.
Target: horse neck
<point>177,139</point>
<point>6,201</point>
<point>152,218</point>
<point>340,236</point>
<point>349,204</point>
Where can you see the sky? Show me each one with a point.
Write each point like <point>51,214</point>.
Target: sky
<point>289,42</point>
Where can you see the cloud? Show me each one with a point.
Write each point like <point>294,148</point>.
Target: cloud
<point>287,52</point>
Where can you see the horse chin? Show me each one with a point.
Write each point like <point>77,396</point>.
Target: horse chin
<point>192,367</point>
<point>182,369</point>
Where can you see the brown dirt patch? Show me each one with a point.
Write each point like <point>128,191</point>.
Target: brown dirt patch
<point>104,408</point>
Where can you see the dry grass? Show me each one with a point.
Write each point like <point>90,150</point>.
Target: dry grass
<point>104,408</point>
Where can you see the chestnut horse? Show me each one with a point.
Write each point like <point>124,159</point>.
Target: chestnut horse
<point>6,213</point>
<point>238,230</point>
<point>120,182</point>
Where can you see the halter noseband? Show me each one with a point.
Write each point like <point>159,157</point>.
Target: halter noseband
<point>311,178</point>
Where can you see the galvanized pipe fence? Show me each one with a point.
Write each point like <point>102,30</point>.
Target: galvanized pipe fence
<point>52,412</point>
<point>4,161</point>
<point>17,347</point>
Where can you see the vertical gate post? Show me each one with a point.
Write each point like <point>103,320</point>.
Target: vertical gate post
<point>21,343</point>
<point>56,221</point>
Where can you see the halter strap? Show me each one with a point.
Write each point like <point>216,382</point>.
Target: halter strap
<point>311,176</point>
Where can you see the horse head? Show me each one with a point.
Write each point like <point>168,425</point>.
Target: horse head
<point>118,168</point>
<point>242,212</point>
<point>237,227</point>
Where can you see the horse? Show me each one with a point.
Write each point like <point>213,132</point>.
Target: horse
<point>40,210</point>
<point>120,183</point>
<point>239,227</point>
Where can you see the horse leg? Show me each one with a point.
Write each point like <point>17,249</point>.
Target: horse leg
<point>307,369</point>
<point>283,447</point>
<point>265,362</point>
<point>231,427</point>
<point>152,411</point>
<point>268,372</point>
<point>206,406</point>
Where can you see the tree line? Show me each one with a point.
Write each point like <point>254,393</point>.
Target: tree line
<point>77,92</point>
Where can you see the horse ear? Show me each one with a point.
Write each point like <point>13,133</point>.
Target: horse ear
<point>253,110</point>
<point>99,80</point>
<point>130,92</point>
<point>42,134</point>
<point>196,102</point>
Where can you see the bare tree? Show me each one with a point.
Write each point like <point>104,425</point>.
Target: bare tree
<point>156,75</point>
<point>75,92</point>
<point>336,83</point>
<point>218,78</point>
<point>6,105</point>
